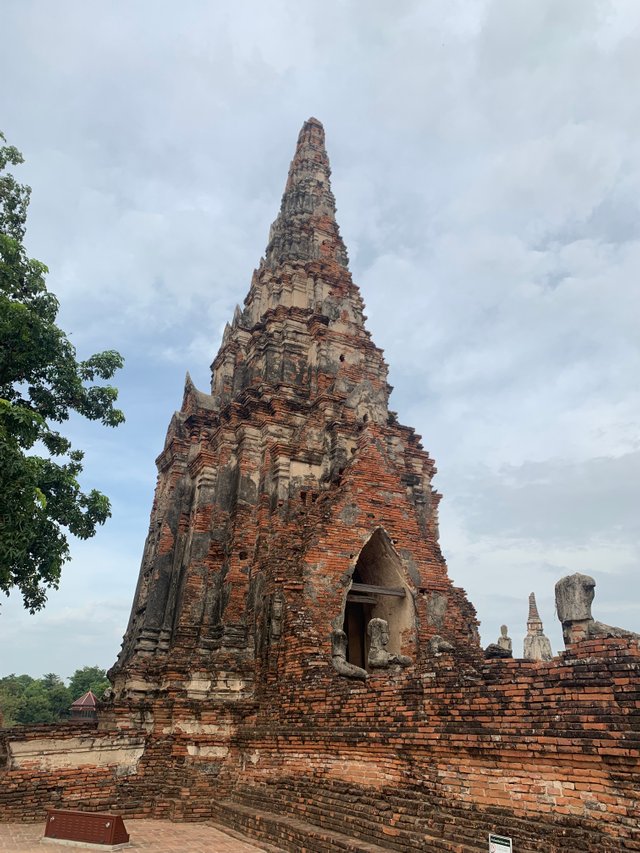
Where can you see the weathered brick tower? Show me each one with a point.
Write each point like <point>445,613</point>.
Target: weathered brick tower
<point>298,664</point>
<point>285,485</point>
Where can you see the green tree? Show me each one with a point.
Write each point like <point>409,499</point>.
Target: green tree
<point>58,693</point>
<point>41,383</point>
<point>88,678</point>
<point>36,705</point>
<point>25,700</point>
<point>12,691</point>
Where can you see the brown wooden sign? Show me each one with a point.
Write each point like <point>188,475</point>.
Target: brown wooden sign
<point>89,827</point>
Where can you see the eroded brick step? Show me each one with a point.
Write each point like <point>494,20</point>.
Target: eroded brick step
<point>348,818</point>
<point>333,816</point>
<point>289,832</point>
<point>459,830</point>
<point>459,833</point>
<point>299,836</point>
<point>233,832</point>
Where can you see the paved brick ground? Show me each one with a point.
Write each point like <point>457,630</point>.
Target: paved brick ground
<point>159,836</point>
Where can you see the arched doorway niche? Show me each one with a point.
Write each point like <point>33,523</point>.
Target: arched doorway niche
<point>378,590</point>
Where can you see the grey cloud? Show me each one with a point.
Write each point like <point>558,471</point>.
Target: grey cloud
<point>554,501</point>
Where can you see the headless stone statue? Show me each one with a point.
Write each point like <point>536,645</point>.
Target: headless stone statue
<point>574,595</point>
<point>339,657</point>
<point>379,657</point>
<point>504,641</point>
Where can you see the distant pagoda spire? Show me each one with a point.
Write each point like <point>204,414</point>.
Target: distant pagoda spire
<point>534,622</point>
<point>306,227</point>
<point>536,644</point>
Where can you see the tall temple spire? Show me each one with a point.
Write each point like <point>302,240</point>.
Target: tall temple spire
<point>303,325</point>
<point>306,227</point>
<point>298,406</point>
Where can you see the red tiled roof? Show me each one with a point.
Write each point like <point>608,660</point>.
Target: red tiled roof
<point>87,700</point>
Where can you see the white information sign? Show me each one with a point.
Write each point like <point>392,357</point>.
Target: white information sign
<point>500,844</point>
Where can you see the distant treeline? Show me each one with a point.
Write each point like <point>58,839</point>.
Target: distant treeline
<point>24,699</point>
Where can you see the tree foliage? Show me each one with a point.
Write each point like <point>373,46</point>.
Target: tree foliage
<point>25,700</point>
<point>41,383</point>
<point>88,678</point>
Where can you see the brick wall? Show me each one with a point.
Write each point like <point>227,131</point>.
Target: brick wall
<point>545,753</point>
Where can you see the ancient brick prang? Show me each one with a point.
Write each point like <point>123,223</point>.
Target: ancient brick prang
<point>256,476</point>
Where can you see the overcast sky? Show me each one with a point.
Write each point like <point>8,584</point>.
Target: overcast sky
<point>486,168</point>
